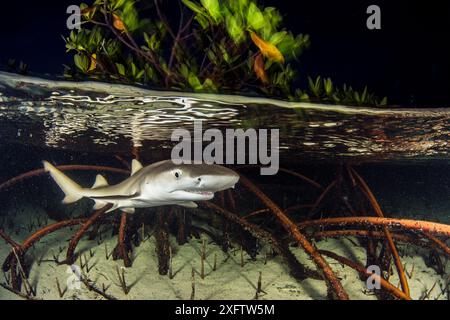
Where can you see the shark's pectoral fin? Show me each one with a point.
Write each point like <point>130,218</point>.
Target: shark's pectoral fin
<point>135,166</point>
<point>128,210</point>
<point>70,198</point>
<point>99,204</point>
<point>188,204</point>
<point>100,181</point>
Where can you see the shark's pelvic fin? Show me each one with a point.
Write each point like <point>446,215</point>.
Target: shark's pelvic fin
<point>135,166</point>
<point>188,204</point>
<point>128,210</point>
<point>100,181</point>
<point>71,189</point>
<point>114,207</point>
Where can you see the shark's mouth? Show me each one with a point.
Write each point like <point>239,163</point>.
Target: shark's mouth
<point>201,192</point>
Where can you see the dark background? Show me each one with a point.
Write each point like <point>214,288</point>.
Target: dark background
<point>408,60</point>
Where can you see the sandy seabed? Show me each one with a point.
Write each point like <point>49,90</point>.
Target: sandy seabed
<point>230,280</point>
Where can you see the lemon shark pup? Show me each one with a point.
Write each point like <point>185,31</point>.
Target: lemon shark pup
<point>161,183</point>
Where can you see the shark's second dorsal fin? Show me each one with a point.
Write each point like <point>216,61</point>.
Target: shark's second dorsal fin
<point>135,166</point>
<point>100,181</point>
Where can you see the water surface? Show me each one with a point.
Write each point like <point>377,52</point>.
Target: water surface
<point>99,117</point>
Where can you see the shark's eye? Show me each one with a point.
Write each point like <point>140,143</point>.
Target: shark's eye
<point>177,174</point>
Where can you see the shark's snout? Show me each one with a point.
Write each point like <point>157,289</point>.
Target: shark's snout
<point>220,179</point>
<point>203,184</point>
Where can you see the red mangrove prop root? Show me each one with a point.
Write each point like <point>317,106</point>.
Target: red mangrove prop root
<point>417,226</point>
<point>300,271</point>
<point>302,177</point>
<point>332,281</point>
<point>39,172</point>
<point>385,284</point>
<point>438,243</point>
<point>35,237</point>
<point>121,244</point>
<point>70,256</point>
<point>433,242</point>
<point>390,241</point>
<point>8,240</point>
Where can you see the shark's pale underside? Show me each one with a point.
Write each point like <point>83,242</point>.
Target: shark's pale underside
<point>161,183</point>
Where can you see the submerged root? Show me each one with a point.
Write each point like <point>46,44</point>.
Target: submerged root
<point>377,230</point>
<point>121,243</point>
<point>332,281</point>
<point>392,247</point>
<point>35,237</point>
<point>162,243</point>
<point>386,285</point>
<point>38,172</point>
<point>298,270</point>
<point>416,226</point>
<point>70,256</point>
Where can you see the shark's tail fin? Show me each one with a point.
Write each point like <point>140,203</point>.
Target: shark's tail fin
<point>71,189</point>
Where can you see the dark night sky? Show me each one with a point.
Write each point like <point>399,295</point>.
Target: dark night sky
<point>408,60</point>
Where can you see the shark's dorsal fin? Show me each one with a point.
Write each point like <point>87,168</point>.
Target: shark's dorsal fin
<point>100,181</point>
<point>135,166</point>
<point>188,204</point>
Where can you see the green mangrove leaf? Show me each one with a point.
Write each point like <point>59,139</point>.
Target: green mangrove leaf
<point>209,85</point>
<point>315,86</point>
<point>328,85</point>
<point>304,97</point>
<point>120,69</point>
<point>133,69</point>
<point>238,6</point>
<point>255,18</point>
<point>117,4</point>
<point>364,95</point>
<point>193,6</point>
<point>202,20</point>
<point>194,82</point>
<point>235,28</point>
<point>140,74</point>
<point>213,8</point>
<point>277,37</point>
<point>149,73</point>
<point>87,12</point>
<point>73,36</point>
<point>81,62</point>
<point>211,56</point>
<point>152,42</point>
<point>273,17</point>
<point>130,17</point>
<point>356,97</point>
<point>112,48</point>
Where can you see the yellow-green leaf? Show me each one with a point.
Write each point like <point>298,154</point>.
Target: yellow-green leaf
<point>93,63</point>
<point>267,49</point>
